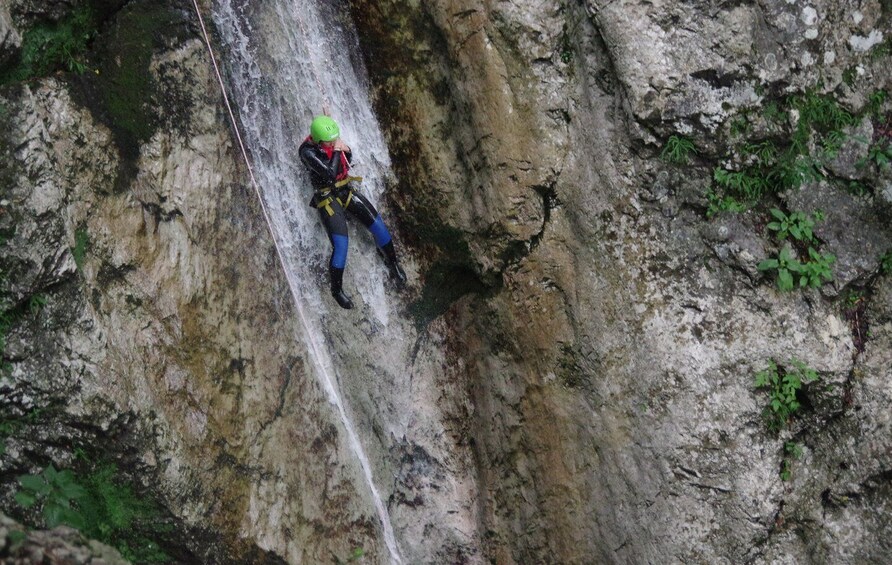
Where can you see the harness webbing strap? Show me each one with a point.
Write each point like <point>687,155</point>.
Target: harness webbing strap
<point>342,182</point>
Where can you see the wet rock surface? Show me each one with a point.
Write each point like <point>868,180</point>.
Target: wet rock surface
<point>585,344</point>
<point>141,329</point>
<point>612,364</point>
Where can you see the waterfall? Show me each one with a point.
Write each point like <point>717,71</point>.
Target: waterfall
<point>282,71</point>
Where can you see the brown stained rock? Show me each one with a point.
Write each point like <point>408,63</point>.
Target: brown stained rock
<point>612,370</point>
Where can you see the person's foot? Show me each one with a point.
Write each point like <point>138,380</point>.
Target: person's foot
<point>337,288</point>
<point>396,271</point>
<point>342,299</point>
<point>398,274</point>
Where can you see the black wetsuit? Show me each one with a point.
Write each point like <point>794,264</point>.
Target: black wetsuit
<point>325,170</point>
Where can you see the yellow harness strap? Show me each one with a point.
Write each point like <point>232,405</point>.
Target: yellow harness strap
<point>341,183</point>
<point>326,202</point>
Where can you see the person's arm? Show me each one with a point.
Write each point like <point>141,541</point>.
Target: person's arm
<point>326,169</point>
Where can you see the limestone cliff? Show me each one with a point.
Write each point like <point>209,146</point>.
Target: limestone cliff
<point>612,358</point>
<point>583,193</point>
<point>149,322</point>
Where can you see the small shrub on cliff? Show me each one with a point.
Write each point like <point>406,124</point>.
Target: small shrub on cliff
<point>792,273</point>
<point>796,224</point>
<point>678,150</point>
<point>783,385</point>
<point>96,504</point>
<point>740,184</point>
<point>886,262</point>
<point>47,48</point>
<point>816,271</point>
<point>55,491</point>
<point>786,266</point>
<point>81,240</point>
<point>880,154</point>
<point>722,204</point>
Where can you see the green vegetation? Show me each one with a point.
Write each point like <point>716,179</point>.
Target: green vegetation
<point>52,47</point>
<point>812,273</point>
<point>792,451</point>
<point>791,273</point>
<point>816,271</point>
<point>678,150</point>
<point>722,204</point>
<point>97,505</point>
<point>886,262</point>
<point>797,224</point>
<point>81,240</point>
<point>785,265</point>
<point>36,304</point>
<point>880,154</point>
<point>355,556</point>
<point>783,385</point>
<point>740,184</point>
<point>54,490</point>
<point>794,137</point>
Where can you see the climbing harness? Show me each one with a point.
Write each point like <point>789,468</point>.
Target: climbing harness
<point>328,197</point>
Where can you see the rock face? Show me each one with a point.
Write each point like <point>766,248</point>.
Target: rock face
<point>612,362</point>
<point>151,324</point>
<point>577,382</point>
<point>62,545</point>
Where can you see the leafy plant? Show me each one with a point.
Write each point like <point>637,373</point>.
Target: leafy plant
<point>98,506</point>
<point>816,272</point>
<point>832,143</point>
<point>786,266</point>
<point>81,239</point>
<point>792,171</point>
<point>740,126</point>
<point>886,262</point>
<point>880,154</point>
<point>36,303</point>
<point>821,112</point>
<point>792,451</point>
<point>875,103</point>
<point>55,490</point>
<point>797,224</point>
<point>678,150</point>
<point>722,204</point>
<point>740,183</point>
<point>783,385</point>
<point>764,151</point>
<point>51,47</point>
<point>773,112</point>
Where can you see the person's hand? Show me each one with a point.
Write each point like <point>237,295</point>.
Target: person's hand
<point>339,145</point>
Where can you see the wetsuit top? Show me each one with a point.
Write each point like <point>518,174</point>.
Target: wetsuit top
<point>325,166</point>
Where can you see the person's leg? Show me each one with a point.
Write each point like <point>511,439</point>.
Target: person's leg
<point>363,210</point>
<point>335,223</point>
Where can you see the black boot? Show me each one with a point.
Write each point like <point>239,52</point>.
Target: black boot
<point>337,283</point>
<point>393,264</point>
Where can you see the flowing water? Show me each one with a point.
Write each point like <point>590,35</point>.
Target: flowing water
<point>387,382</point>
<point>279,86</point>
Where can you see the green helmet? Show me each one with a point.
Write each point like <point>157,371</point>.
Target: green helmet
<point>324,128</point>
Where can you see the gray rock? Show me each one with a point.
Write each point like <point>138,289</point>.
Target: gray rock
<point>10,38</point>
<point>853,230</point>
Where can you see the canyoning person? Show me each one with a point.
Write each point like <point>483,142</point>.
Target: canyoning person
<point>327,158</point>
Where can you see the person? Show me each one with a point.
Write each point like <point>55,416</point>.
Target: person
<point>327,158</point>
